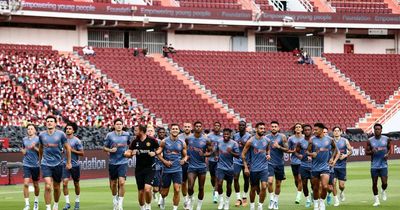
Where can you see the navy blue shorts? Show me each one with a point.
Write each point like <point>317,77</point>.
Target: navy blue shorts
<point>224,175</point>
<point>379,172</point>
<point>237,169</point>
<point>143,177</point>
<point>157,178</point>
<point>258,176</point>
<point>74,172</point>
<point>175,178</point>
<point>32,172</point>
<point>305,172</point>
<point>212,167</point>
<point>295,169</point>
<point>277,170</point>
<point>340,174</point>
<point>54,172</point>
<point>197,170</point>
<point>319,173</point>
<point>184,172</point>
<point>116,171</point>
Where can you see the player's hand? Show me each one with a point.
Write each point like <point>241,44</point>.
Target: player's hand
<point>374,150</point>
<point>114,149</point>
<point>135,152</point>
<point>68,166</point>
<point>182,162</point>
<point>332,163</point>
<point>128,154</point>
<point>268,157</point>
<point>386,156</point>
<point>299,156</point>
<point>168,163</point>
<point>246,171</point>
<point>152,154</point>
<point>276,145</point>
<point>23,150</point>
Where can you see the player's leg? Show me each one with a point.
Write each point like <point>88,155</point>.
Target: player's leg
<point>184,185</point>
<point>220,179</point>
<point>177,180</point>
<point>35,179</point>
<point>201,182</point>
<point>192,176</point>
<point>271,175</point>
<point>279,177</point>
<point>65,179</point>
<point>113,180</point>
<point>26,191</point>
<point>149,177</point>
<point>229,181</point>
<point>57,178</point>
<point>297,181</point>
<point>374,177</point>
<point>263,190</point>
<point>384,180</point>
<point>315,182</point>
<point>324,191</point>
<point>213,168</point>
<point>166,183</point>
<point>76,175</point>
<point>236,170</point>
<point>246,187</point>
<point>255,185</point>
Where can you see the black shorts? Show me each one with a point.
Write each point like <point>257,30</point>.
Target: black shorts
<point>295,170</point>
<point>278,171</point>
<point>212,167</point>
<point>116,171</point>
<point>32,172</point>
<point>144,176</point>
<point>74,172</point>
<point>54,172</point>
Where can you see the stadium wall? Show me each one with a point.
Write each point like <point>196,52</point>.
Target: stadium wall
<point>60,39</point>
<point>392,124</point>
<point>200,42</point>
<point>333,43</point>
<point>95,162</point>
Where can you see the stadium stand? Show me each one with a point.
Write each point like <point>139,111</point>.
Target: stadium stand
<point>155,88</point>
<point>64,87</point>
<point>376,74</point>
<point>361,6</point>
<point>217,4</point>
<point>256,85</point>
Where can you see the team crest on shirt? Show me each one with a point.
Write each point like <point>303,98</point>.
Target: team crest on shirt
<point>148,144</point>
<point>327,143</point>
<point>179,146</point>
<point>264,144</point>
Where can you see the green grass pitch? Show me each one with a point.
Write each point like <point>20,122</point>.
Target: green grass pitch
<point>95,194</point>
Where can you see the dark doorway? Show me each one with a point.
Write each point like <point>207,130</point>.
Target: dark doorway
<point>288,43</point>
<point>126,39</point>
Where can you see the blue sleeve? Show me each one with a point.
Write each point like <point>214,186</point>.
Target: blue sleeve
<point>63,138</point>
<point>236,148</point>
<point>79,145</point>
<point>107,141</point>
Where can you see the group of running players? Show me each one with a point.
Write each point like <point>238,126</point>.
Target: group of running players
<point>181,159</point>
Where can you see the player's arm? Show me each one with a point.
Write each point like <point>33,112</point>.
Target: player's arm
<point>40,149</point>
<point>335,153</point>
<point>130,152</point>
<point>310,152</point>
<point>184,154</point>
<point>107,146</point>
<point>368,150</point>
<point>388,149</point>
<point>349,150</point>
<point>244,152</point>
<point>284,147</point>
<point>22,148</point>
<point>187,146</point>
<point>209,149</point>
<point>67,148</point>
<point>159,151</point>
<point>297,151</point>
<point>235,150</point>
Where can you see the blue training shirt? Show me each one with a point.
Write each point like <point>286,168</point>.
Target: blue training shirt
<point>197,147</point>
<point>323,147</point>
<point>378,158</point>
<point>276,154</point>
<point>292,143</point>
<point>241,140</point>
<point>121,142</point>
<point>342,148</point>
<point>52,147</point>
<point>215,139</point>
<point>75,144</point>
<point>225,160</point>
<point>31,157</point>
<point>305,161</point>
<point>258,151</point>
<point>173,152</point>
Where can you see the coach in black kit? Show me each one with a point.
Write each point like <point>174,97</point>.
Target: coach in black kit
<point>144,148</point>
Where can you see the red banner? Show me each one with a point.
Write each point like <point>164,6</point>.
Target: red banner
<point>205,13</point>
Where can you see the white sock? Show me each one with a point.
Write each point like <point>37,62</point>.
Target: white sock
<point>252,205</point>
<point>335,198</point>
<point>276,198</point>
<point>308,198</point>
<point>37,199</point>
<point>142,207</point>
<point>148,206</point>
<point>271,196</point>
<point>299,193</point>
<point>26,201</point>
<point>186,198</point>
<point>260,205</point>
<point>115,198</point>
<point>221,198</point>
<point>216,193</point>
<point>199,204</point>
<point>77,198</point>
<point>48,206</point>
<point>66,198</point>
<point>238,196</point>
<point>175,207</point>
<point>121,201</point>
<point>55,205</point>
